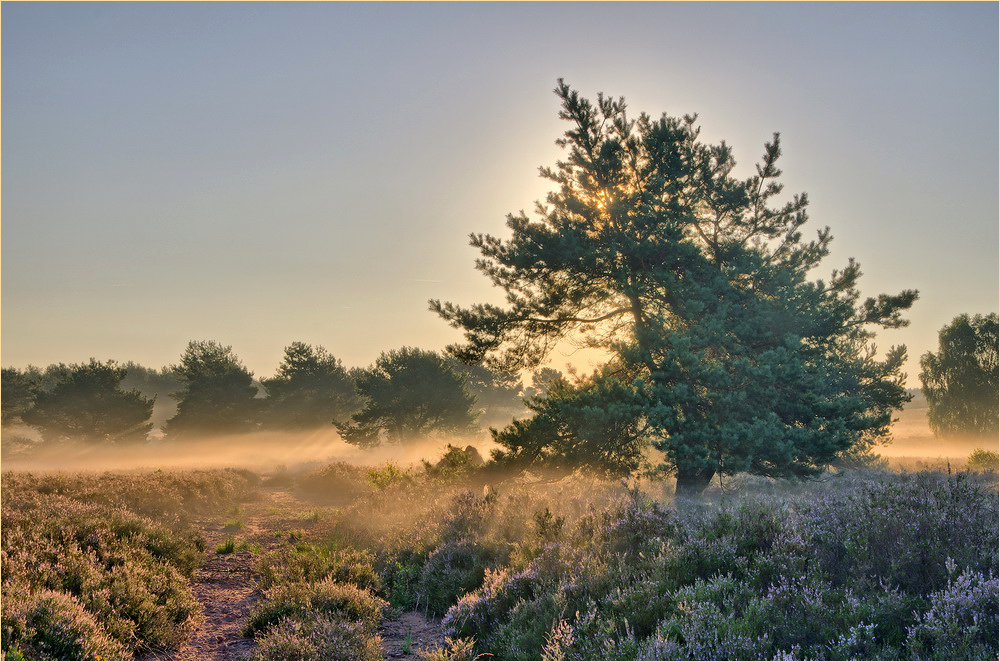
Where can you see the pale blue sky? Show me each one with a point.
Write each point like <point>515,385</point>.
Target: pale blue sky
<point>262,173</point>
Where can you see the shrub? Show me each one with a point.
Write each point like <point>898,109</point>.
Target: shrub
<point>453,569</point>
<point>53,625</point>
<point>117,548</point>
<point>329,597</point>
<point>319,637</point>
<point>450,649</point>
<point>387,475</point>
<point>338,483</point>
<point>900,530</point>
<point>984,460</point>
<point>306,562</point>
<point>962,621</point>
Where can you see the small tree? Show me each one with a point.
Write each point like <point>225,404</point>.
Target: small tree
<point>217,394</point>
<point>960,379</point>
<point>310,389</point>
<point>409,393</point>
<point>87,403</point>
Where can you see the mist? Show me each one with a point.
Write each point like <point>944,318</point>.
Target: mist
<point>258,451</point>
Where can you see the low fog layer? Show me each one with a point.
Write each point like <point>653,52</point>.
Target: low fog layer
<point>260,451</point>
<point>263,451</point>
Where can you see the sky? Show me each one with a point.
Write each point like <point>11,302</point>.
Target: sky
<point>263,173</point>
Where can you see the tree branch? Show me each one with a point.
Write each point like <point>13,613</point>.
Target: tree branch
<point>617,311</point>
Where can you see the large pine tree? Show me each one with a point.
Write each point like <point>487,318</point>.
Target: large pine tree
<point>725,355</point>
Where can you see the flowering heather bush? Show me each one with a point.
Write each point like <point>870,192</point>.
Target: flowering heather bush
<point>451,570</point>
<point>853,568</point>
<point>52,625</point>
<point>900,530</point>
<point>306,562</point>
<point>301,601</point>
<point>432,539</point>
<point>962,621</point>
<point>319,637</point>
<point>126,571</point>
<point>77,544</point>
<point>177,494</point>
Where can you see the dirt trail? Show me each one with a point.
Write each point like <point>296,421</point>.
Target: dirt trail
<point>402,637</point>
<point>226,586</point>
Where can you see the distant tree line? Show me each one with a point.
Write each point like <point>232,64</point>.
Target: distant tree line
<point>405,394</point>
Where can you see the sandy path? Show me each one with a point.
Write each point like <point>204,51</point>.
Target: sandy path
<point>402,637</point>
<point>225,584</point>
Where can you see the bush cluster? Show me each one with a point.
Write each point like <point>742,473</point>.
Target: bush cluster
<point>877,566</point>
<point>88,571</point>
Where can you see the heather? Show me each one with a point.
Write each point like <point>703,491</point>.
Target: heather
<point>876,566</point>
<point>98,565</point>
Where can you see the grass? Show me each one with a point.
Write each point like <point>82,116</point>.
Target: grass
<point>233,525</point>
<point>227,547</point>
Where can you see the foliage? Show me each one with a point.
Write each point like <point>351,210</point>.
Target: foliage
<point>861,568</point>
<point>217,394</point>
<point>409,393</point>
<point>320,637</point>
<point>449,649</point>
<point>337,483</point>
<point>311,389</point>
<point>98,564</point>
<point>984,460</point>
<point>960,380</point>
<point>307,562</point>
<point>595,425</point>
<point>697,283</point>
<point>53,625</point>
<point>319,603</point>
<point>497,393</point>
<point>962,621</point>
<point>388,474</point>
<point>19,390</point>
<point>86,402</point>
<point>542,380</point>
<point>455,462</point>
<point>179,495</point>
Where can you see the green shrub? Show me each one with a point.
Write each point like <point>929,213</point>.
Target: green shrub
<point>452,570</point>
<point>984,460</point>
<point>306,562</point>
<point>388,475</point>
<point>450,649</point>
<point>329,597</point>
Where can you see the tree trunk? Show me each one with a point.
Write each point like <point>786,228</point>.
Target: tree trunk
<point>691,483</point>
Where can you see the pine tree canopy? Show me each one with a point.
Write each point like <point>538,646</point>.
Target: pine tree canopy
<point>727,355</point>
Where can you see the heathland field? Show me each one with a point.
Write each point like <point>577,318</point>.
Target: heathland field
<point>447,560</point>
